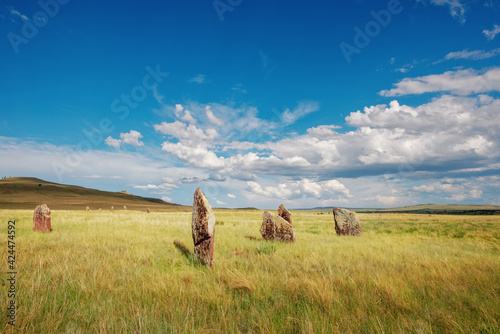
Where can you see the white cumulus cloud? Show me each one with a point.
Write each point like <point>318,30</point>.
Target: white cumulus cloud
<point>385,200</point>
<point>457,8</point>
<point>132,138</point>
<point>303,188</point>
<point>194,155</point>
<point>212,118</point>
<point>186,116</point>
<point>304,108</point>
<point>455,189</point>
<point>472,55</point>
<point>462,82</point>
<point>157,188</point>
<point>180,130</point>
<point>491,34</point>
<point>110,141</point>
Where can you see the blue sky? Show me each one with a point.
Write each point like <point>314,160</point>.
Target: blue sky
<point>318,103</point>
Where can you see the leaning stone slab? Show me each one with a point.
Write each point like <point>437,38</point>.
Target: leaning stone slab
<point>276,228</point>
<point>41,219</point>
<point>285,214</point>
<point>203,226</point>
<point>346,222</point>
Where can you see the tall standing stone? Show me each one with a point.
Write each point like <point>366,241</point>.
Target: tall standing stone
<point>346,222</point>
<point>203,225</point>
<point>276,228</point>
<point>41,219</point>
<point>285,214</point>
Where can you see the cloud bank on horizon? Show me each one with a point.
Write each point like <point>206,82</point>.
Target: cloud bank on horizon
<point>266,122</point>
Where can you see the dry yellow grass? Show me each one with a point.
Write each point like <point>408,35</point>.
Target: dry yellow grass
<point>132,272</point>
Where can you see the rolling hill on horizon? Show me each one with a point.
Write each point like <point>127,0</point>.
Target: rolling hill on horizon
<point>459,209</point>
<point>28,192</point>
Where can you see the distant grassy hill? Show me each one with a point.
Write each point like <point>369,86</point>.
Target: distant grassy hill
<point>446,208</point>
<point>28,192</point>
<point>455,209</point>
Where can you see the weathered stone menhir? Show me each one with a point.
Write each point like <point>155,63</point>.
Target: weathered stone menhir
<point>346,222</point>
<point>203,225</point>
<point>276,228</point>
<point>41,219</point>
<point>285,214</point>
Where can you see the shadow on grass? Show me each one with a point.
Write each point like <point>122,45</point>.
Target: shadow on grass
<point>251,237</point>
<point>183,249</point>
<point>190,257</point>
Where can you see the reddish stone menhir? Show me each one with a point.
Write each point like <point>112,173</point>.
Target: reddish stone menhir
<point>285,214</point>
<point>276,228</point>
<point>346,222</point>
<point>41,219</point>
<point>203,226</point>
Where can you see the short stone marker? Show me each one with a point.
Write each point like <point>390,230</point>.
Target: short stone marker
<point>41,219</point>
<point>124,207</point>
<point>148,211</point>
<point>87,208</point>
<point>203,226</point>
<point>276,228</point>
<point>112,208</point>
<point>346,222</point>
<point>285,214</point>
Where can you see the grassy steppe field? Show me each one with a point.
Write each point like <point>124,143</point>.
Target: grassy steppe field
<point>132,272</point>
